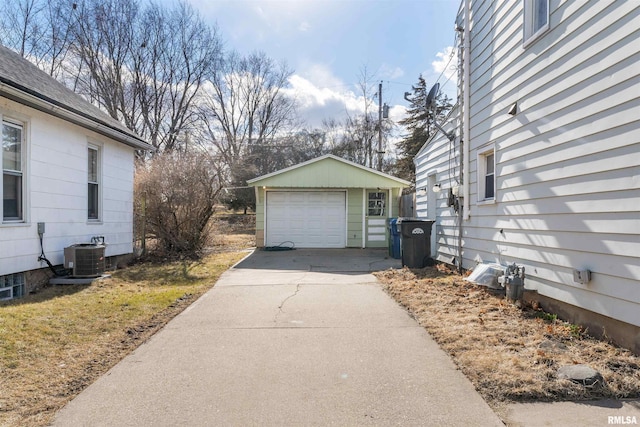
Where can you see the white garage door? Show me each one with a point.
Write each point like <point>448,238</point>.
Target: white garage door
<point>309,219</point>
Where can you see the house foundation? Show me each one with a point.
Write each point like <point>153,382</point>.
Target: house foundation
<point>599,326</point>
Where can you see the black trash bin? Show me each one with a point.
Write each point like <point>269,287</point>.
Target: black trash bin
<point>415,242</point>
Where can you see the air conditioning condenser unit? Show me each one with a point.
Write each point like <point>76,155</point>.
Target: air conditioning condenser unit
<point>85,259</point>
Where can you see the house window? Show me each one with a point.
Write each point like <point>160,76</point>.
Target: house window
<point>536,19</point>
<point>376,203</point>
<point>93,180</point>
<point>12,172</point>
<point>486,176</point>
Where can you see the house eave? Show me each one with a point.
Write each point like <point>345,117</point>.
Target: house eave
<point>42,103</point>
<point>437,131</point>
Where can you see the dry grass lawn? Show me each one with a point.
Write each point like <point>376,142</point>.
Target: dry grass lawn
<point>509,353</point>
<point>56,342</point>
<point>233,232</point>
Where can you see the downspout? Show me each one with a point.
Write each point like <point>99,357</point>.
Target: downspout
<point>261,190</point>
<point>465,137</point>
<point>466,132</point>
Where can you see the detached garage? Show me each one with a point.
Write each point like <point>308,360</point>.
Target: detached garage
<point>327,202</point>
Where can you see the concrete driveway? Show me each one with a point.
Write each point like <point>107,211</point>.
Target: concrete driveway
<point>304,337</point>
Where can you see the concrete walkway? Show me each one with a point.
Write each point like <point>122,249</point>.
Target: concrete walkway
<point>305,337</point>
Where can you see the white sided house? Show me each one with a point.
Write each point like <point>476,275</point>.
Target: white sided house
<point>545,166</point>
<point>67,172</point>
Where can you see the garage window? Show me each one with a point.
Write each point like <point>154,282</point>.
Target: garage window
<point>377,202</point>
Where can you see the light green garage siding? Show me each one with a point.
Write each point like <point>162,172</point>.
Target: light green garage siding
<point>354,218</point>
<point>332,173</point>
<point>260,217</point>
<point>328,172</point>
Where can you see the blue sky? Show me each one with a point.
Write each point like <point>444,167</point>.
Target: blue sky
<point>328,43</point>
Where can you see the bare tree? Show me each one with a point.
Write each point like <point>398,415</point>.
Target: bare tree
<point>355,137</point>
<point>104,33</point>
<point>363,128</point>
<point>39,30</point>
<point>58,37</point>
<point>246,105</point>
<point>22,28</point>
<point>247,114</point>
<point>145,66</point>
<point>178,51</point>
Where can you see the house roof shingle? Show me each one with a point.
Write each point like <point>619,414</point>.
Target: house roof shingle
<point>23,82</point>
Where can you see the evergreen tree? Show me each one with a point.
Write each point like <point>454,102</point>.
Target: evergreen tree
<point>420,128</point>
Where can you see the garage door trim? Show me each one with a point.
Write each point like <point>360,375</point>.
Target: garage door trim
<point>311,225</point>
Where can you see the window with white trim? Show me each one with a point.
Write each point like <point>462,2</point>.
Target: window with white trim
<point>486,176</point>
<point>12,171</point>
<point>536,19</point>
<point>376,203</point>
<point>93,183</point>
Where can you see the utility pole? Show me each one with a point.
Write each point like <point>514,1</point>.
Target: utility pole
<point>380,126</point>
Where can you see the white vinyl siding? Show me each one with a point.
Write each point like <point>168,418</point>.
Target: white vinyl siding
<point>55,176</point>
<point>567,163</point>
<point>568,194</point>
<point>438,161</point>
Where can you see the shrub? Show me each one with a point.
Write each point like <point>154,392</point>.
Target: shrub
<point>175,196</point>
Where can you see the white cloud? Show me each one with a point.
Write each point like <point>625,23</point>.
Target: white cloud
<point>320,74</point>
<point>304,26</point>
<point>275,18</point>
<point>390,73</point>
<point>444,69</point>
<point>321,95</point>
<point>446,63</point>
<point>317,103</point>
<point>397,112</point>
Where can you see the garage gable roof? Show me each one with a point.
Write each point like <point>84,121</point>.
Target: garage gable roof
<point>328,171</point>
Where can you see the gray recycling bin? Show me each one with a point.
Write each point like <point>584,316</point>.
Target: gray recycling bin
<point>415,242</point>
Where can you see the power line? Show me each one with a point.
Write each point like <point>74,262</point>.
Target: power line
<point>399,83</point>
<point>446,67</point>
